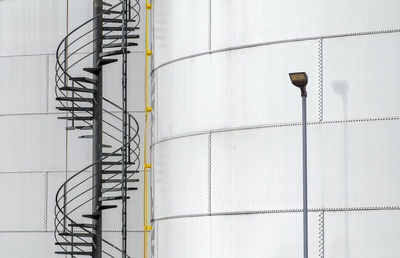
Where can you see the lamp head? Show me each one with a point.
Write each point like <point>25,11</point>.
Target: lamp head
<point>300,80</point>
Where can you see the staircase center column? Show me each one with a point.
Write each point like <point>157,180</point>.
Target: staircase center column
<point>97,127</point>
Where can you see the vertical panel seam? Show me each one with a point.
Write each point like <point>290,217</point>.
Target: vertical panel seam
<point>46,199</point>
<point>209,174</point>
<point>47,71</point>
<point>209,25</point>
<point>320,79</point>
<point>321,234</point>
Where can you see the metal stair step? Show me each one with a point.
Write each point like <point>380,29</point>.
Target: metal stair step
<point>82,225</point>
<point>84,79</point>
<point>75,253</point>
<point>106,146</point>
<point>72,234</point>
<point>84,127</point>
<point>111,12</point>
<point>78,89</point>
<point>92,70</point>
<point>78,118</point>
<point>113,172</point>
<point>106,207</point>
<point>106,4</point>
<point>75,99</point>
<point>92,216</point>
<point>85,136</point>
<point>117,189</point>
<point>119,180</point>
<point>75,108</point>
<point>120,28</point>
<point>112,53</point>
<point>119,45</point>
<point>133,36</point>
<point>74,243</point>
<point>103,61</point>
<point>112,198</point>
<point>111,20</point>
<point>111,154</point>
<point>105,163</point>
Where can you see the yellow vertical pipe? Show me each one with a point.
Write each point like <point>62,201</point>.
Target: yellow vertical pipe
<point>146,165</point>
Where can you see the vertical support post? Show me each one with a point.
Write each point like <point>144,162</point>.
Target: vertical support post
<point>124,126</point>
<point>97,127</point>
<point>305,205</point>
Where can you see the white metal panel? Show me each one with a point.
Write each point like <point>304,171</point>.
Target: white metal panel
<point>361,77</point>
<point>239,22</point>
<point>112,218</point>
<point>180,29</point>
<point>236,88</point>
<point>362,234</point>
<point>22,198</point>
<point>23,84</point>
<point>55,181</point>
<point>31,26</point>
<point>186,237</point>
<point>256,170</point>
<point>27,244</point>
<point>354,164</point>
<point>32,143</point>
<point>180,176</point>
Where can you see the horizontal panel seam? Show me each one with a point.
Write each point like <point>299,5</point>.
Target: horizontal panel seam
<point>263,126</point>
<point>254,212</point>
<point>283,41</point>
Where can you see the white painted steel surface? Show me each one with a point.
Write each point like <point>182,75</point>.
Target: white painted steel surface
<point>35,150</point>
<point>226,147</point>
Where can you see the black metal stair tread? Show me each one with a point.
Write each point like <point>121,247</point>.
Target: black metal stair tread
<point>117,189</point>
<point>78,118</point>
<point>119,180</point>
<point>103,61</point>
<point>106,146</point>
<point>83,127</point>
<point>84,79</point>
<point>74,243</point>
<point>77,234</point>
<point>92,70</point>
<point>78,89</point>
<point>119,28</point>
<point>132,36</point>
<point>74,99</point>
<point>119,45</point>
<point>116,163</point>
<point>113,172</point>
<point>112,198</point>
<point>111,12</point>
<point>82,225</point>
<point>85,136</point>
<point>106,207</point>
<point>91,216</point>
<point>111,154</point>
<point>106,4</point>
<point>111,20</point>
<point>112,53</point>
<point>75,108</point>
<point>75,253</point>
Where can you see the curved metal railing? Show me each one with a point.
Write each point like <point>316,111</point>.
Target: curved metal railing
<point>74,197</point>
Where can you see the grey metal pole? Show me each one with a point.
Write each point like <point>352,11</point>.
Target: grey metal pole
<point>97,128</point>
<point>305,206</point>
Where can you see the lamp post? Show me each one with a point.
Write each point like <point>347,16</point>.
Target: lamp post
<point>300,80</point>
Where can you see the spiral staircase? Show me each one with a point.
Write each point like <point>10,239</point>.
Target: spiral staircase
<point>103,186</point>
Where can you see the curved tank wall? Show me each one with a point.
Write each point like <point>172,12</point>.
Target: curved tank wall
<point>36,153</point>
<point>226,148</point>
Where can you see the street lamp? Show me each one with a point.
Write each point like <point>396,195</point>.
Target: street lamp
<point>300,80</point>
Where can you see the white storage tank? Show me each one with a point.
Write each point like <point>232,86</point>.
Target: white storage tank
<point>226,147</point>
